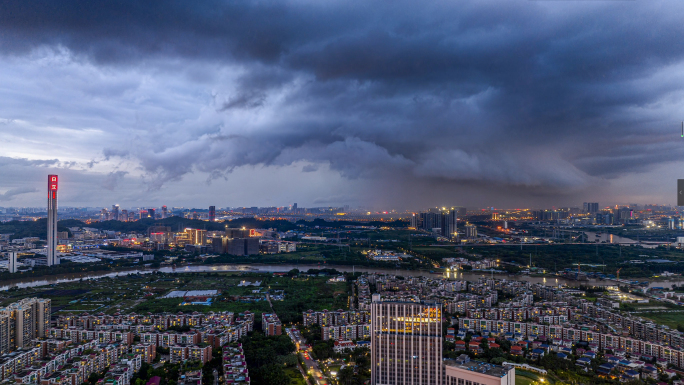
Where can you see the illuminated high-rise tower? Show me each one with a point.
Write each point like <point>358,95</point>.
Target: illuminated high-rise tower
<point>52,221</point>
<point>212,213</point>
<point>406,342</point>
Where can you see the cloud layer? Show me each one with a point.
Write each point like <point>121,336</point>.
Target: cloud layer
<point>472,102</point>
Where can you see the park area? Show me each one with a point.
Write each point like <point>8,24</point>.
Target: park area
<point>290,294</point>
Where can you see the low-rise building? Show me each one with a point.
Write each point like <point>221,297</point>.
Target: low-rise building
<point>464,371</point>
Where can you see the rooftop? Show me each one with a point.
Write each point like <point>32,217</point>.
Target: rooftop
<point>478,366</point>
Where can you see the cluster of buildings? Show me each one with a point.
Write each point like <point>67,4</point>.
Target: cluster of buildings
<point>386,256</point>
<point>274,247</point>
<point>440,221</point>
<point>124,215</point>
<point>535,320</point>
<point>234,365</point>
<point>405,319</point>
<point>592,214</point>
<point>361,294</point>
<point>116,334</point>
<point>271,325</point>
<point>205,329</point>
<point>340,325</point>
<point>482,264</point>
<point>234,241</point>
<point>30,354</point>
<point>407,343</point>
<point>52,362</point>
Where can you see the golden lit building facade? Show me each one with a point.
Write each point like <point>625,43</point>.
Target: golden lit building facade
<point>406,342</point>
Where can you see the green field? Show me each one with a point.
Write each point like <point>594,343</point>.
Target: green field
<point>523,381</point>
<point>670,319</point>
<point>144,293</point>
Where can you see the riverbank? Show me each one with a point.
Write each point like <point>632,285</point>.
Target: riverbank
<point>283,268</point>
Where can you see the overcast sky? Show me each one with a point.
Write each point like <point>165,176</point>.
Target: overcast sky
<point>383,104</point>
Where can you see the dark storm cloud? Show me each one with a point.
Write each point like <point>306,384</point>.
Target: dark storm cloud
<point>549,96</point>
<point>244,101</point>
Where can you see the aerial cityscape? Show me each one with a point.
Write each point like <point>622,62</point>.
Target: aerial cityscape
<point>341,193</point>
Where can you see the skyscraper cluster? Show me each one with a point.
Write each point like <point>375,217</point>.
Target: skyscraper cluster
<point>441,221</point>
<point>590,207</point>
<point>235,242</point>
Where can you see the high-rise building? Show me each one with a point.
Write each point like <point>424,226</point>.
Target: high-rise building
<point>625,215</point>
<point>21,322</point>
<point>151,213</point>
<point>441,221</point>
<point>406,342</point>
<point>6,337</point>
<point>604,218</point>
<point>43,312</point>
<point>470,231</point>
<point>115,213</point>
<point>196,236</point>
<point>212,213</point>
<point>591,207</point>
<point>415,220</point>
<point>124,215</point>
<point>52,221</point>
<point>12,261</point>
<point>242,246</point>
<point>236,232</point>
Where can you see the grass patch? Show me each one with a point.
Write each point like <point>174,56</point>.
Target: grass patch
<point>523,377</point>
<point>669,319</point>
<point>295,376</point>
<point>523,380</point>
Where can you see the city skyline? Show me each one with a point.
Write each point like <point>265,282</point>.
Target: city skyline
<point>476,104</point>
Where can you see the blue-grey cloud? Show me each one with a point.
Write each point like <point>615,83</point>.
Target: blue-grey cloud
<point>12,193</point>
<point>552,98</point>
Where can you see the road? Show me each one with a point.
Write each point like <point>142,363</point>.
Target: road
<point>314,369</point>
<point>309,363</point>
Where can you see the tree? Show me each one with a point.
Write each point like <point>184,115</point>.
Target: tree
<point>346,376</point>
<point>288,360</point>
<point>272,374</point>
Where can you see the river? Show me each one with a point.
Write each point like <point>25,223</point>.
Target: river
<point>467,276</point>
